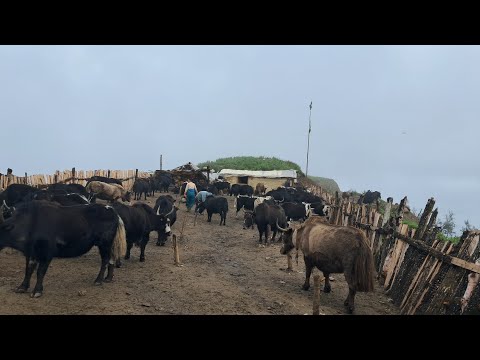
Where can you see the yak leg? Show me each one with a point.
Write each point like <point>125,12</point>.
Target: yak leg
<point>350,300</point>
<point>42,270</point>
<point>308,272</point>
<point>143,244</point>
<point>109,273</point>
<point>129,247</point>
<point>160,242</point>
<point>29,269</point>
<point>261,230</point>
<point>327,288</point>
<point>145,195</point>
<point>105,255</point>
<point>274,231</point>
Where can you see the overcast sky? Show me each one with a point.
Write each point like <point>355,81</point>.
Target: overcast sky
<point>402,120</point>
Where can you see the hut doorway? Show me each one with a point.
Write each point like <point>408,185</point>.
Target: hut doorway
<point>243,179</point>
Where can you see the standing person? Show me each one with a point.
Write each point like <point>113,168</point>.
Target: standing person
<point>200,198</point>
<point>189,194</point>
<point>9,176</point>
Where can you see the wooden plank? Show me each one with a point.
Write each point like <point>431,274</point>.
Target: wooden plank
<point>446,298</point>
<point>414,282</point>
<point>376,218</point>
<point>432,222</point>
<point>402,285</point>
<point>438,254</point>
<point>425,296</point>
<point>397,259</point>
<point>466,265</point>
<point>425,218</point>
<point>423,282</point>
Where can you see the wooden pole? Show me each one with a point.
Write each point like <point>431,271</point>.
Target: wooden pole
<point>308,141</point>
<point>316,294</point>
<point>161,162</point>
<point>108,174</point>
<point>136,174</point>
<point>176,255</point>
<point>425,219</point>
<point>26,182</point>
<point>73,175</point>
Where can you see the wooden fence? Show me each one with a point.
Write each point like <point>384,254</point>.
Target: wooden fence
<point>422,275</point>
<point>74,176</point>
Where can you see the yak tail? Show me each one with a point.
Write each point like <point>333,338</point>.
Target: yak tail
<point>363,270</point>
<point>119,246</point>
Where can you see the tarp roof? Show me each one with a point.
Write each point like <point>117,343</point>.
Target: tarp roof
<point>291,174</point>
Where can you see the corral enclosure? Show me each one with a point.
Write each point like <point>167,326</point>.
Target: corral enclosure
<point>420,274</point>
<point>224,271</point>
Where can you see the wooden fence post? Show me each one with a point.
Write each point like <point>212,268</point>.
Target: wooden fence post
<point>425,219</point>
<point>175,250</point>
<point>431,227</point>
<point>136,174</point>
<point>382,248</point>
<point>108,174</point>
<point>26,181</point>
<point>316,294</point>
<point>73,175</point>
<point>401,209</point>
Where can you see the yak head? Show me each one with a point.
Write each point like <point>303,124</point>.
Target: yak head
<point>248,219</point>
<point>287,245</point>
<point>127,197</point>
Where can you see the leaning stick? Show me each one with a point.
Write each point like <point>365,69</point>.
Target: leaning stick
<point>175,250</point>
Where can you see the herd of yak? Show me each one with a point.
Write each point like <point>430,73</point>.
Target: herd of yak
<point>64,220</point>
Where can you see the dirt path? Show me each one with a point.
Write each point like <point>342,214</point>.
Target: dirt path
<point>224,271</point>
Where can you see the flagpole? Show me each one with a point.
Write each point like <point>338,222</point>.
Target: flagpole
<point>308,141</point>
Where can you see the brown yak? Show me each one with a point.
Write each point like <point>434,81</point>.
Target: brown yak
<point>109,192</point>
<point>332,249</point>
<point>260,189</point>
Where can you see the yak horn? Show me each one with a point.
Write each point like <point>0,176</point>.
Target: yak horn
<point>171,211</point>
<point>5,204</point>
<point>281,229</point>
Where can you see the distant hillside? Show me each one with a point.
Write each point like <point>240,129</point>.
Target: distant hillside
<point>329,185</point>
<point>250,163</point>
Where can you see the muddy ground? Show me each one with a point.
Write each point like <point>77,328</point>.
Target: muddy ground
<point>224,271</point>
